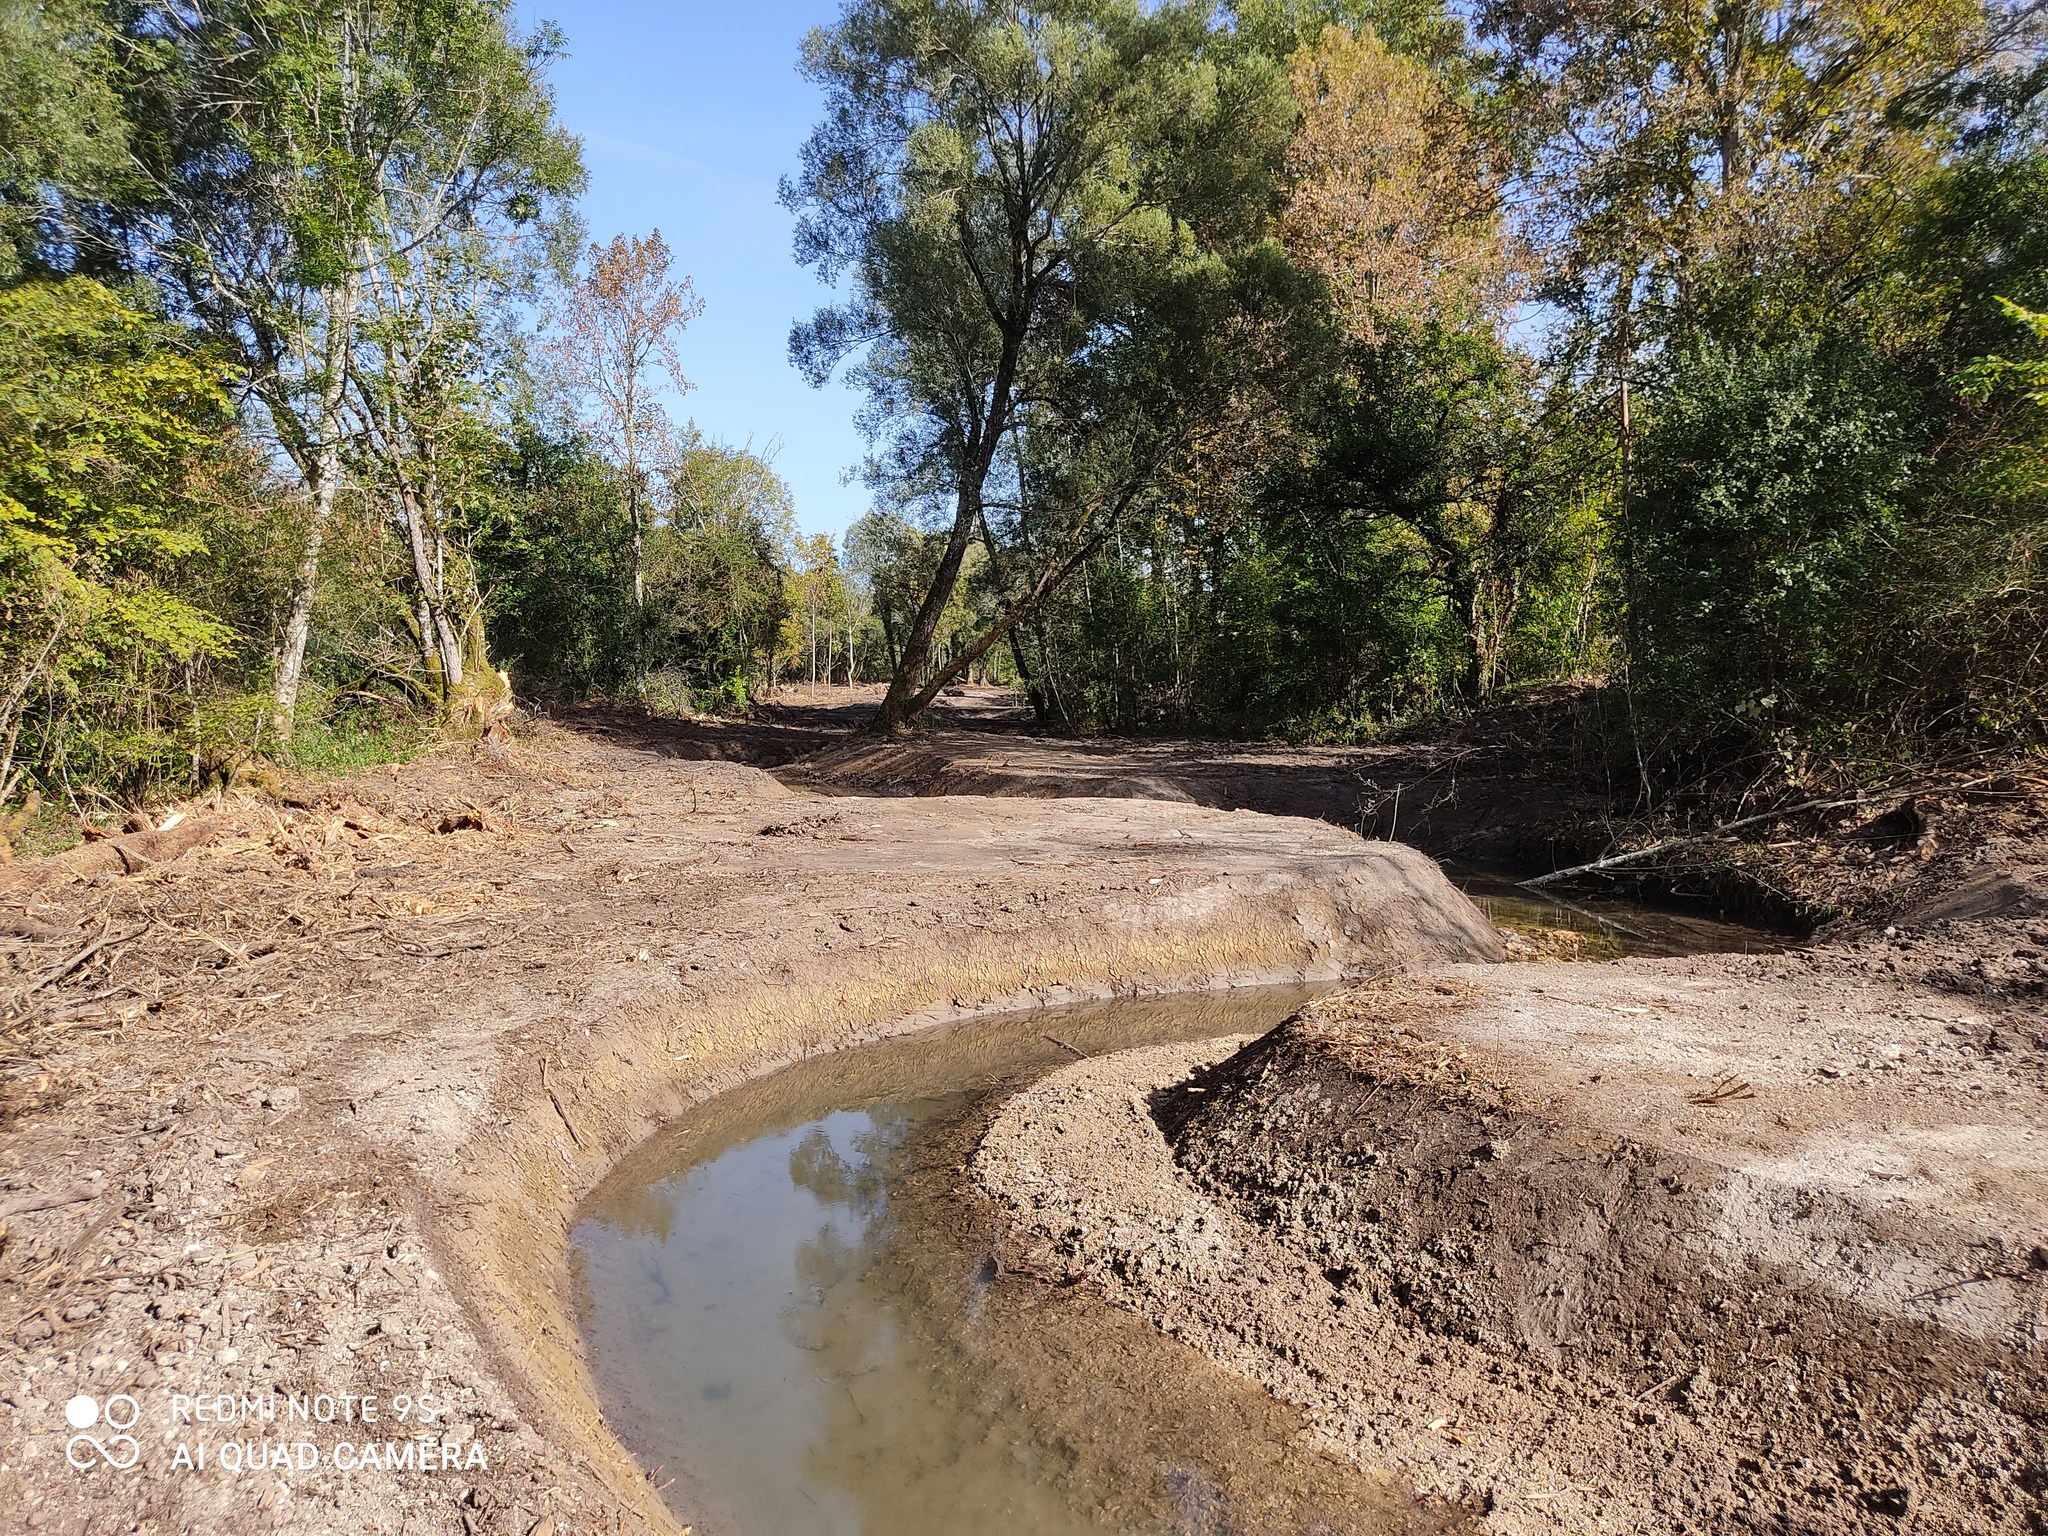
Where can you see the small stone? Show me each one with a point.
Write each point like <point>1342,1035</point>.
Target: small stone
<point>34,1328</point>
<point>282,1097</point>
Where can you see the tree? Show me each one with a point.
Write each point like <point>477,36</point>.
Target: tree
<point>1680,149</point>
<point>551,555</point>
<point>718,592</point>
<point>893,560</point>
<point>103,428</point>
<point>621,325</point>
<point>819,599</point>
<point>1041,212</point>
<point>269,135</point>
<point>63,134</point>
<point>1987,375</point>
<point>1394,197</point>
<point>433,357</point>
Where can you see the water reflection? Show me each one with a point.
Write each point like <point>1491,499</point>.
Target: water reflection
<point>792,1314</point>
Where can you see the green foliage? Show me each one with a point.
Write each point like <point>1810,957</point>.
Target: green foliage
<point>102,426</point>
<point>717,582</point>
<point>346,729</point>
<point>62,129</point>
<point>1988,375</point>
<point>1051,221</point>
<point>1774,494</point>
<point>554,556</point>
<point>1200,384</point>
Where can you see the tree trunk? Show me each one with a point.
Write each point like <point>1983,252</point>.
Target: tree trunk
<point>903,699</point>
<point>639,581</point>
<point>340,304</point>
<point>889,638</point>
<point>1032,691</point>
<point>298,626</point>
<point>440,645</point>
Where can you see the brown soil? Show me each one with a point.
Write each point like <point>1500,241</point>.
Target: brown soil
<point>298,1096</point>
<point>1743,1244</point>
<point>300,1101</point>
<point>1515,788</point>
<point>1520,789</point>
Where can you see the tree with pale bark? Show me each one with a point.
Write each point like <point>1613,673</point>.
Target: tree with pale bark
<point>275,141</point>
<point>621,326</point>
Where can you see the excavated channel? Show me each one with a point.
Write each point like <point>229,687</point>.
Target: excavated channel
<point>795,1322</point>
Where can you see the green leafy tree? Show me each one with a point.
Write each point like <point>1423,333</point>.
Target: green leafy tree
<point>435,364</point>
<point>278,141</point>
<point>1038,210</point>
<point>552,560</point>
<point>718,590</point>
<point>63,130</point>
<point>1986,376</point>
<point>1679,153</point>
<point>104,428</point>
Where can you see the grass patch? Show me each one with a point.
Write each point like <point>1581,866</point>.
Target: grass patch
<point>322,750</point>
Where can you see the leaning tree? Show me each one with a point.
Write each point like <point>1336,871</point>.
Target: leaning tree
<point>1051,222</point>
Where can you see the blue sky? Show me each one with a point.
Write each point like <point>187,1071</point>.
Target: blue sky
<point>689,113</point>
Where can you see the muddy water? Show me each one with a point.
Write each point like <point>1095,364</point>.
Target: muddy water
<point>1612,928</point>
<point>794,1322</point>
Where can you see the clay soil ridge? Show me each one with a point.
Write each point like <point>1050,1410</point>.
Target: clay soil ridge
<point>302,1102</point>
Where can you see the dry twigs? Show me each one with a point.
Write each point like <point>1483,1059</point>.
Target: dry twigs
<point>1725,1091</point>
<point>1614,860</point>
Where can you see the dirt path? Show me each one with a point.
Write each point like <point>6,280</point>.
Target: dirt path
<point>1626,1248</point>
<point>1509,792</point>
<point>300,1097</point>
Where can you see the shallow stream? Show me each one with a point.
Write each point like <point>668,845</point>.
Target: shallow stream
<point>794,1322</point>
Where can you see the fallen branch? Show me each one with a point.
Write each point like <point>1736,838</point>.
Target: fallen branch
<point>106,940</point>
<point>1614,859</point>
<point>555,1099</point>
<point>1727,1089</point>
<point>48,1200</point>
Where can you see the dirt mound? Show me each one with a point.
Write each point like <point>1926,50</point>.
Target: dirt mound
<point>1584,1273</point>
<point>1448,800</point>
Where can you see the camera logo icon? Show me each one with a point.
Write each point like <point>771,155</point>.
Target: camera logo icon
<point>119,1450</point>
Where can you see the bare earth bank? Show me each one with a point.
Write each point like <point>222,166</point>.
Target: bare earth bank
<point>297,1099</point>
<point>1745,1244</point>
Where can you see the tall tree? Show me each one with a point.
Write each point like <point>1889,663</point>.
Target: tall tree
<point>63,134</point>
<point>621,325</point>
<point>1038,209</point>
<point>271,133</point>
<point>434,356</point>
<point>1681,147</point>
<point>103,427</point>
<point>1394,193</point>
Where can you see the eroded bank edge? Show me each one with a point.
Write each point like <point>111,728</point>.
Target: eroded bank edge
<point>567,1133</point>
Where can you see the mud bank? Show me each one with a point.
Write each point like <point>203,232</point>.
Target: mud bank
<point>305,1112</point>
<point>1728,1244</point>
